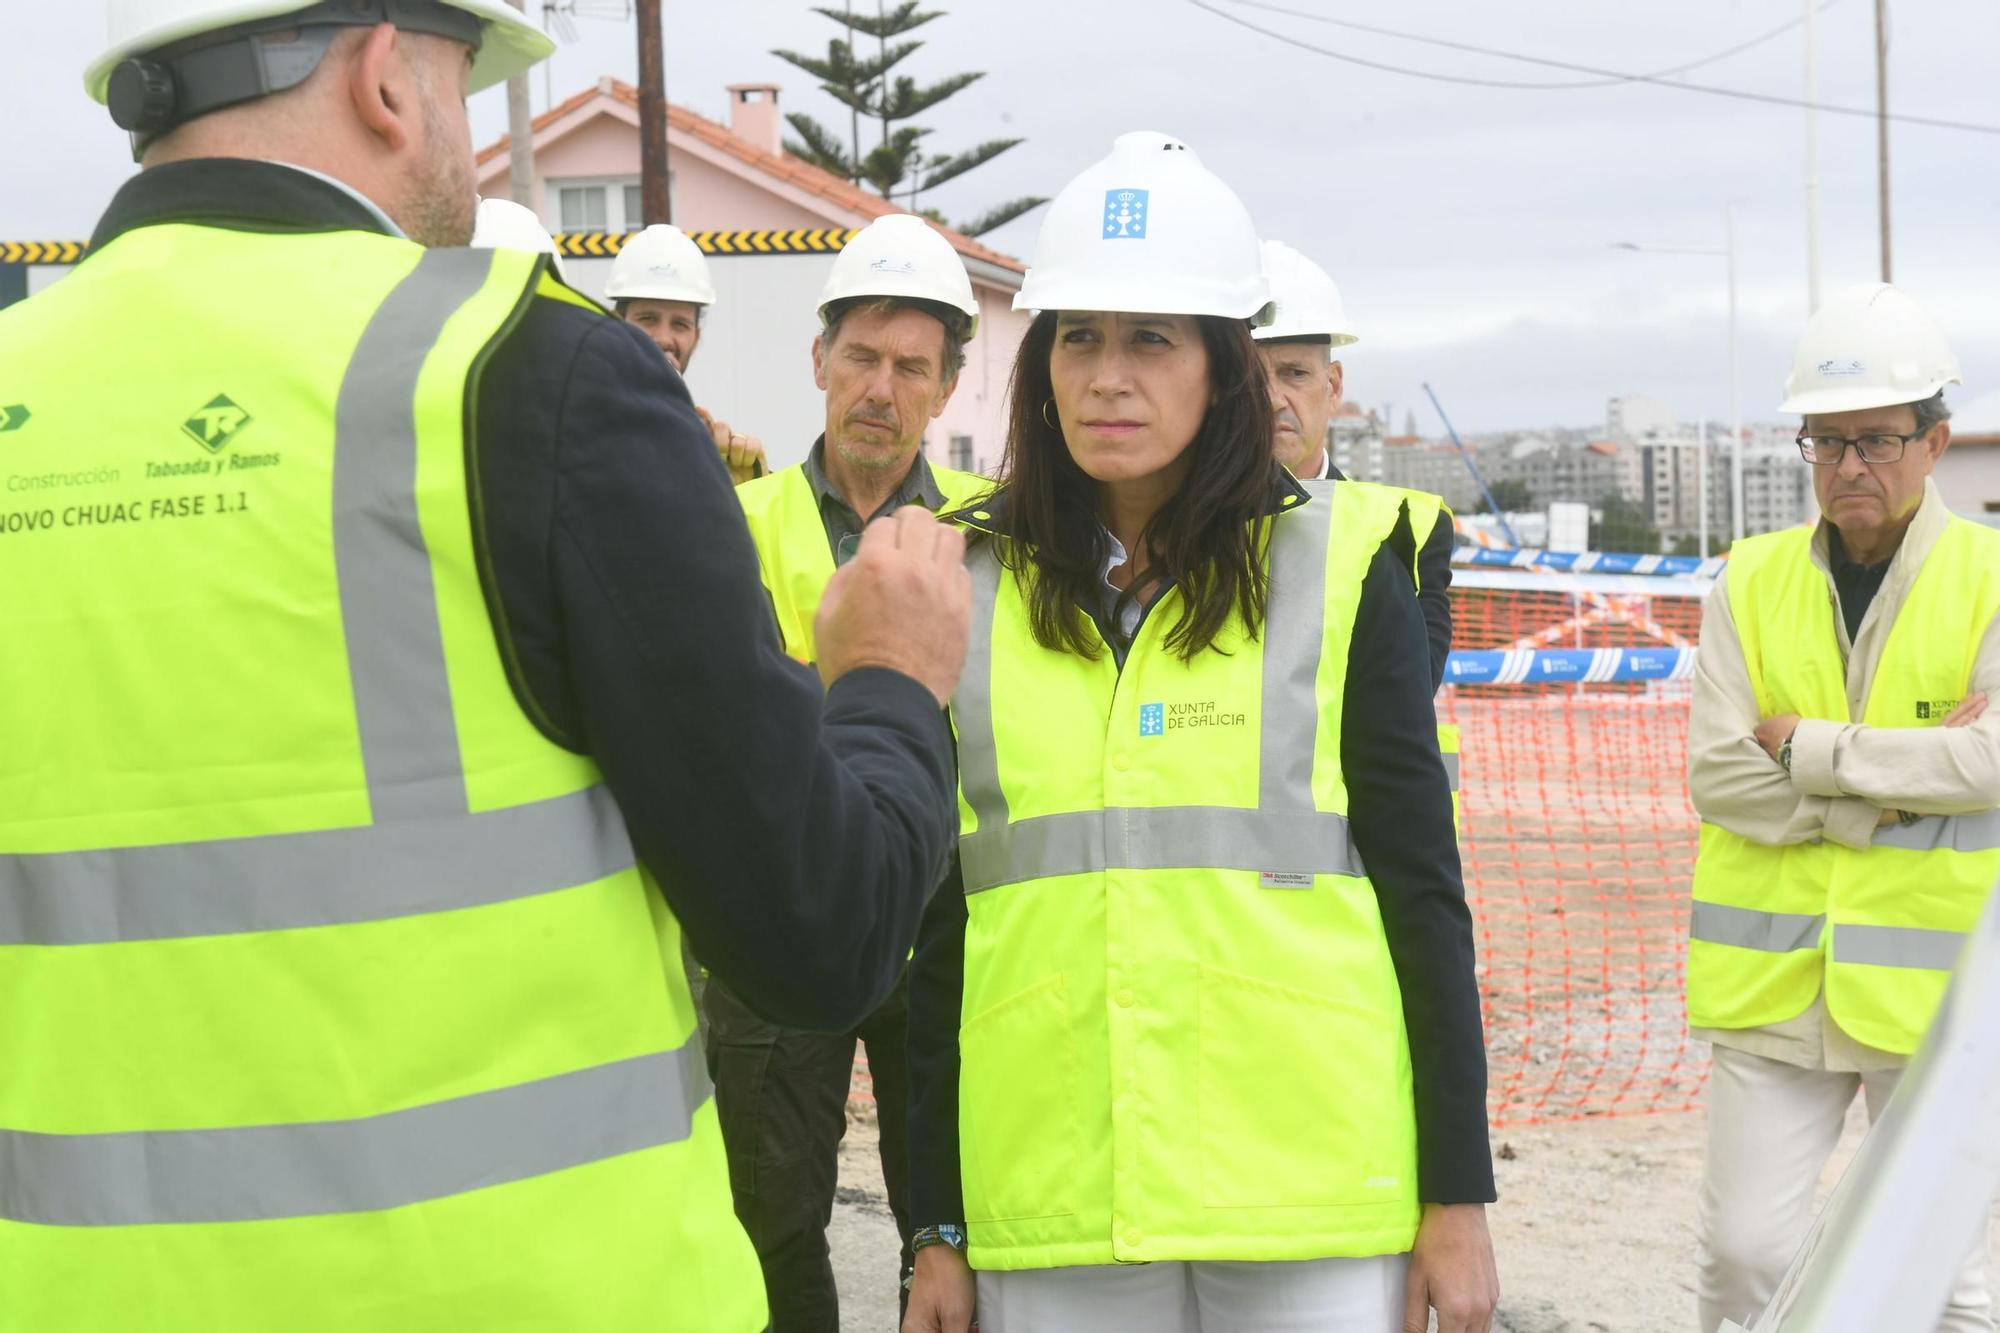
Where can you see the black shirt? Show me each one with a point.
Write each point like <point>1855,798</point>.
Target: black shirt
<point>1856,583</point>
<point>1399,807</point>
<point>627,607</point>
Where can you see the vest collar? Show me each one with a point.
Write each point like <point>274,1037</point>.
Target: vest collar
<point>238,194</point>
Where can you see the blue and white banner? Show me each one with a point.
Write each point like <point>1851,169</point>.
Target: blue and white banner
<point>1563,666</point>
<point>1598,562</point>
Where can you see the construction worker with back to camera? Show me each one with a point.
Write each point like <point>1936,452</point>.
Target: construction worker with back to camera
<point>392,705</point>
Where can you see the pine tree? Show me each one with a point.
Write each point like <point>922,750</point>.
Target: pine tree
<point>897,165</point>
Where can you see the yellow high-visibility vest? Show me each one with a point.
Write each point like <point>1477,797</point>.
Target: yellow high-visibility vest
<point>332,997</point>
<point>1182,1035</point>
<point>792,551</point>
<point>1880,928</point>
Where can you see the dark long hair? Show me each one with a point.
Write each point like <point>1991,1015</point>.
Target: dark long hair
<point>1208,538</point>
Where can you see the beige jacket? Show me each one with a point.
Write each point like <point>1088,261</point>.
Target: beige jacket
<point>1844,775</point>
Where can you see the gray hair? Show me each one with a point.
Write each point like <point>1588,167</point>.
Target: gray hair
<point>956,327</point>
<point>1930,411</point>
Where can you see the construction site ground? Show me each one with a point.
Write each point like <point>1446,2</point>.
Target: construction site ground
<point>1594,1231</point>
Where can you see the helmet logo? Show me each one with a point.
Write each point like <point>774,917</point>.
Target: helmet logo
<point>1125,215</point>
<point>902,266</point>
<point>1839,368</point>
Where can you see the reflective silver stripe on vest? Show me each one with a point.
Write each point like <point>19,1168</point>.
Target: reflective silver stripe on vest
<point>1897,946</point>
<point>1285,835</point>
<point>1955,833</point>
<point>1158,838</point>
<point>972,703</point>
<point>1747,928</point>
<point>395,648</point>
<point>1294,635</point>
<point>323,878</point>
<point>1451,768</point>
<point>260,1172</point>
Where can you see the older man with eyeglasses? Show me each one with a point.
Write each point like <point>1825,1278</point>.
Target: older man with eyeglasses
<point>1847,773</point>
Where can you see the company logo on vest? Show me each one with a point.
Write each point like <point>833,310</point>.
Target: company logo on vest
<point>1935,709</point>
<point>217,423</point>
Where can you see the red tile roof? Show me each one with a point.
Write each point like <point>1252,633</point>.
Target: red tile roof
<point>782,166</point>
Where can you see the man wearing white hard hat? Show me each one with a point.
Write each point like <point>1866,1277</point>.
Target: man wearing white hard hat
<point>660,285</point>
<point>502,224</point>
<point>895,315</point>
<point>374,742</point>
<point>1194,1028</point>
<point>1308,322</point>
<point>1846,767</point>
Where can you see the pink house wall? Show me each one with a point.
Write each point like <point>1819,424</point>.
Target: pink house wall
<point>978,406</point>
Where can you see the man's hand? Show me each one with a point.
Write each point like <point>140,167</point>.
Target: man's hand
<point>742,454</point>
<point>1968,710</point>
<point>1451,1271</point>
<point>941,1296</point>
<point>903,602</point>
<point>1773,732</point>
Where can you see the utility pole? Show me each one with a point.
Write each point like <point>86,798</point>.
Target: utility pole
<point>654,202</point>
<point>1736,526</point>
<point>520,135</point>
<point>1882,124</point>
<point>1812,158</point>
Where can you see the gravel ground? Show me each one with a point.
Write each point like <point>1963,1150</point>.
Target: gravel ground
<point>1594,1232</point>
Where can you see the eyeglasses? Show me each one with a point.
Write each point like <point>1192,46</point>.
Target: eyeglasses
<point>1826,450</point>
<point>844,549</point>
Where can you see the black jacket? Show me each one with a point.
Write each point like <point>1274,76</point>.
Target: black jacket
<point>796,835</point>
<point>1399,806</point>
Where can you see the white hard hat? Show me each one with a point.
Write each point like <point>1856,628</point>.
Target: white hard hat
<point>1149,228</point>
<point>661,264</point>
<point>502,224</point>
<point>904,256</point>
<point>1305,302</point>
<point>509,43</point>
<point>1868,346</point>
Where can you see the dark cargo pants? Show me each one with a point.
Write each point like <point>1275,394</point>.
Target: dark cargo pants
<point>781,1095</point>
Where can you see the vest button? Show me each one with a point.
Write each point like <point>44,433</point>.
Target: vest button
<point>1133,1239</point>
<point>1126,999</point>
<point>1121,762</point>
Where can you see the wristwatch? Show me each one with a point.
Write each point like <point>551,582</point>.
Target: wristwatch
<point>1785,754</point>
<point>925,1237</point>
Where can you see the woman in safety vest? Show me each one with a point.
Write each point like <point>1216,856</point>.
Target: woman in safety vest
<point>1195,1039</point>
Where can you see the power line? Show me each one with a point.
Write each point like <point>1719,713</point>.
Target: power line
<point>1546,85</point>
<point>1611,81</point>
<point>1609,76</point>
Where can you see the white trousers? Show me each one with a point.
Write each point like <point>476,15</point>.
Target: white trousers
<point>1309,1296</point>
<point>1771,1128</point>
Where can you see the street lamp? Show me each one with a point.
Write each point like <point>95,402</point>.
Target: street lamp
<point>1728,252</point>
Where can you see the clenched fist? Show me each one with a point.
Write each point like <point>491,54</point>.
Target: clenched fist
<point>903,602</point>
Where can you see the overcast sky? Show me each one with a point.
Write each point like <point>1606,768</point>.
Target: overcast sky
<point>1470,228</point>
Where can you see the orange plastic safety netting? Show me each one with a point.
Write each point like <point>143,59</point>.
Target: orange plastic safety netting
<point>1578,844</point>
